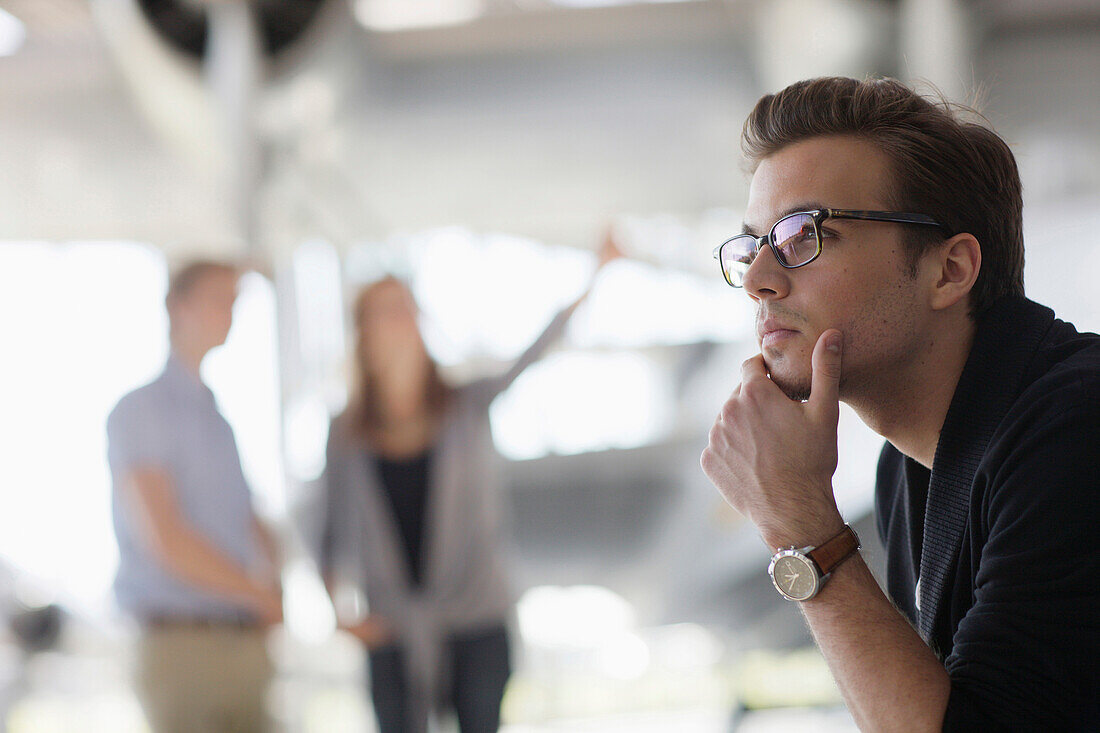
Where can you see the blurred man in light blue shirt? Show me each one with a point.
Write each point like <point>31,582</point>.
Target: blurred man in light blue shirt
<point>197,569</point>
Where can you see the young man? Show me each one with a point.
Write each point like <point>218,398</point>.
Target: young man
<point>900,292</point>
<point>197,569</point>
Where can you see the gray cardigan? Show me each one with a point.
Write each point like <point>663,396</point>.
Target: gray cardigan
<point>465,582</point>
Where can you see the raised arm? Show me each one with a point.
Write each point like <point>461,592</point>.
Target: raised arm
<point>609,250</point>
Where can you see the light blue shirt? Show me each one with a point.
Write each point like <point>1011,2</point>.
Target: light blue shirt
<point>173,424</point>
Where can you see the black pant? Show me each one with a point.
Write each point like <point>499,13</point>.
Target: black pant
<point>480,667</point>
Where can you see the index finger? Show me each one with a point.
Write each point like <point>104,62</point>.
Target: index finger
<point>825,371</point>
<point>754,368</point>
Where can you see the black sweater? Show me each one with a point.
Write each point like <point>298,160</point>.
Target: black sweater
<point>1004,532</point>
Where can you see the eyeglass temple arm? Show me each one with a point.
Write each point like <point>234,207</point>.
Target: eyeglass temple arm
<point>899,217</point>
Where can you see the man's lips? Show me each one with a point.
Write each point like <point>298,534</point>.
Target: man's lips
<point>770,333</point>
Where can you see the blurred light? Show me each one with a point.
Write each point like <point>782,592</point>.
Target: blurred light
<point>489,295</point>
<point>762,672</point>
<point>12,33</point>
<point>392,15</point>
<point>368,261</point>
<point>31,593</point>
<point>83,357</point>
<point>666,240</point>
<point>307,422</point>
<point>243,374</point>
<point>575,402</point>
<point>308,614</point>
<point>637,304</point>
<point>623,656</point>
<point>573,616</point>
<point>319,306</point>
<point>685,647</point>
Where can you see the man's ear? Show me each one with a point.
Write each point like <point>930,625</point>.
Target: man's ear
<point>957,262</point>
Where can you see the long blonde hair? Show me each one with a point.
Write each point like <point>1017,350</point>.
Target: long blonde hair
<point>362,416</point>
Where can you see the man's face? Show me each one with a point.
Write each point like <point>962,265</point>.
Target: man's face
<point>860,283</point>
<point>207,310</point>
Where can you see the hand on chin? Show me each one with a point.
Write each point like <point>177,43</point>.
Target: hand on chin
<point>792,376</point>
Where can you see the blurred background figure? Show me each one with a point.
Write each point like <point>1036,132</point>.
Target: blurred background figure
<point>413,515</point>
<point>197,569</point>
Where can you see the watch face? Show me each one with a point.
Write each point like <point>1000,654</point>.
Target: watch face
<point>794,576</point>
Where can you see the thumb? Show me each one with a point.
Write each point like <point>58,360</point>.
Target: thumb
<point>825,363</point>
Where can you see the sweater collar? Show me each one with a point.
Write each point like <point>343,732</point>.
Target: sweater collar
<point>1005,342</point>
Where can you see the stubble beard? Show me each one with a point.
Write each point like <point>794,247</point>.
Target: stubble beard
<point>783,364</point>
<point>795,387</point>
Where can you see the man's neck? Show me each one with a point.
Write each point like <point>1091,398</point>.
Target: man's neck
<point>189,355</point>
<point>910,411</point>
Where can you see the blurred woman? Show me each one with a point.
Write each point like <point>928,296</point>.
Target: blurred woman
<point>412,518</point>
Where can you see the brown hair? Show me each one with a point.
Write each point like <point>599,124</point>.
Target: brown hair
<point>362,416</point>
<point>187,275</point>
<point>957,171</point>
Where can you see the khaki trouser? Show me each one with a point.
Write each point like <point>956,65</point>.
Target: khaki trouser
<point>194,679</point>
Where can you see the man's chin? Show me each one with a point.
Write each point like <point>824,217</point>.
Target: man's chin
<point>796,387</point>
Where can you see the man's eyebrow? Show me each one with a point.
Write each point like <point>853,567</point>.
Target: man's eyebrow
<point>747,228</point>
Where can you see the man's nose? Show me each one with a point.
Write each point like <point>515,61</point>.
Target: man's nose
<point>766,278</point>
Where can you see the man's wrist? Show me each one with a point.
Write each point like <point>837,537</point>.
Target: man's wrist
<point>804,534</point>
<point>800,573</point>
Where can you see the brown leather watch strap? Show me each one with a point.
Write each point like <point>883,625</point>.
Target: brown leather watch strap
<point>835,550</point>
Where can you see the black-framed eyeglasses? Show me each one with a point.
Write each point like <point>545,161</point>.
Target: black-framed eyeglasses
<point>795,240</point>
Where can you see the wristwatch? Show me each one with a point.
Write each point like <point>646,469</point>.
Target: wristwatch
<point>798,575</point>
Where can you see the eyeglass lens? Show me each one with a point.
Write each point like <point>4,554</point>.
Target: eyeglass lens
<point>737,254</point>
<point>794,238</point>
